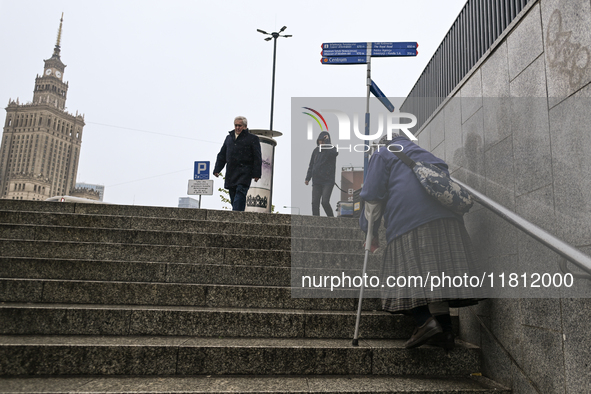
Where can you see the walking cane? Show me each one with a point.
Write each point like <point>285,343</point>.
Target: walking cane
<point>369,208</point>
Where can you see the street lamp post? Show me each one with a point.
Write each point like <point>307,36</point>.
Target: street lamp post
<point>274,35</point>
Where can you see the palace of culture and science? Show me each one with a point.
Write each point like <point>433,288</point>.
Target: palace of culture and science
<point>41,141</point>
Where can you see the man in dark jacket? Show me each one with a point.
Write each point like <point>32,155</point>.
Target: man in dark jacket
<point>241,152</point>
<point>321,170</point>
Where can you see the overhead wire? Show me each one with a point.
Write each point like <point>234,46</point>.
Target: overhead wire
<point>150,177</point>
<point>151,132</point>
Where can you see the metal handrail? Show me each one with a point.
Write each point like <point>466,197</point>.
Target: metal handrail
<point>565,250</point>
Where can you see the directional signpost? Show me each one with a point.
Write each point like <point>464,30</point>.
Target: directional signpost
<point>200,184</point>
<point>361,53</point>
<point>366,49</point>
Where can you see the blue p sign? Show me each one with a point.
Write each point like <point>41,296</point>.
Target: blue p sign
<point>201,170</point>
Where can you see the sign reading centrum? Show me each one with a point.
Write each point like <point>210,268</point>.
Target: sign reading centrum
<point>345,60</point>
<point>360,52</point>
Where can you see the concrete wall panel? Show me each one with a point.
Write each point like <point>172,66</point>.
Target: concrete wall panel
<point>525,43</point>
<point>518,131</point>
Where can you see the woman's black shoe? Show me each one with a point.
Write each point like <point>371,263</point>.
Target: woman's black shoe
<point>444,340</point>
<point>423,333</point>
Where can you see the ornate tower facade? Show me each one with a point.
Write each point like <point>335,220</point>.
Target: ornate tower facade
<point>41,141</point>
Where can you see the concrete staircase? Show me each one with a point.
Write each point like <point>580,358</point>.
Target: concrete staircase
<point>128,299</point>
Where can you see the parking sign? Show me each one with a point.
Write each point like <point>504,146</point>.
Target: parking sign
<point>201,170</point>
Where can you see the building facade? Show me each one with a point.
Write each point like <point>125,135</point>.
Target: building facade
<point>41,141</point>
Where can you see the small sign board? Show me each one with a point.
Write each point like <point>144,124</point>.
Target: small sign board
<point>393,52</point>
<point>200,186</point>
<point>345,60</point>
<point>201,170</point>
<point>365,45</point>
<point>387,52</point>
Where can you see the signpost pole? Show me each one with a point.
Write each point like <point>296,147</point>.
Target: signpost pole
<point>366,153</point>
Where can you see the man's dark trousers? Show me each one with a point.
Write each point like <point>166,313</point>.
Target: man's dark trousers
<point>238,197</point>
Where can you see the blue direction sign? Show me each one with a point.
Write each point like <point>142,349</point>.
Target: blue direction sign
<point>353,52</point>
<point>372,52</point>
<point>381,96</point>
<point>345,60</point>
<point>201,170</point>
<point>393,52</point>
<point>364,45</point>
<point>344,52</point>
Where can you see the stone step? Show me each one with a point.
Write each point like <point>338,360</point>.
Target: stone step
<point>323,232</point>
<point>129,271</point>
<point>181,225</point>
<point>147,355</point>
<point>138,252</point>
<point>176,213</point>
<point>177,238</point>
<point>213,384</point>
<point>168,294</point>
<point>32,232</point>
<point>122,320</point>
<point>213,274</point>
<point>322,221</point>
<point>143,223</point>
<point>141,237</point>
<point>144,211</point>
<point>70,250</point>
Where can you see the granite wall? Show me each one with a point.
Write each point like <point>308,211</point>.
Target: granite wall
<point>517,128</point>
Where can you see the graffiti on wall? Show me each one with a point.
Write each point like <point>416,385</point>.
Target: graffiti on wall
<point>563,53</point>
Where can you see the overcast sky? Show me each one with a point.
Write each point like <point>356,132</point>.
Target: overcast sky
<point>160,82</point>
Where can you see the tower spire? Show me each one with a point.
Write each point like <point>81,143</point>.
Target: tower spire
<point>56,51</point>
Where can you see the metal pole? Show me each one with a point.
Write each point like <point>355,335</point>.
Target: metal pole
<point>275,35</point>
<point>366,154</point>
